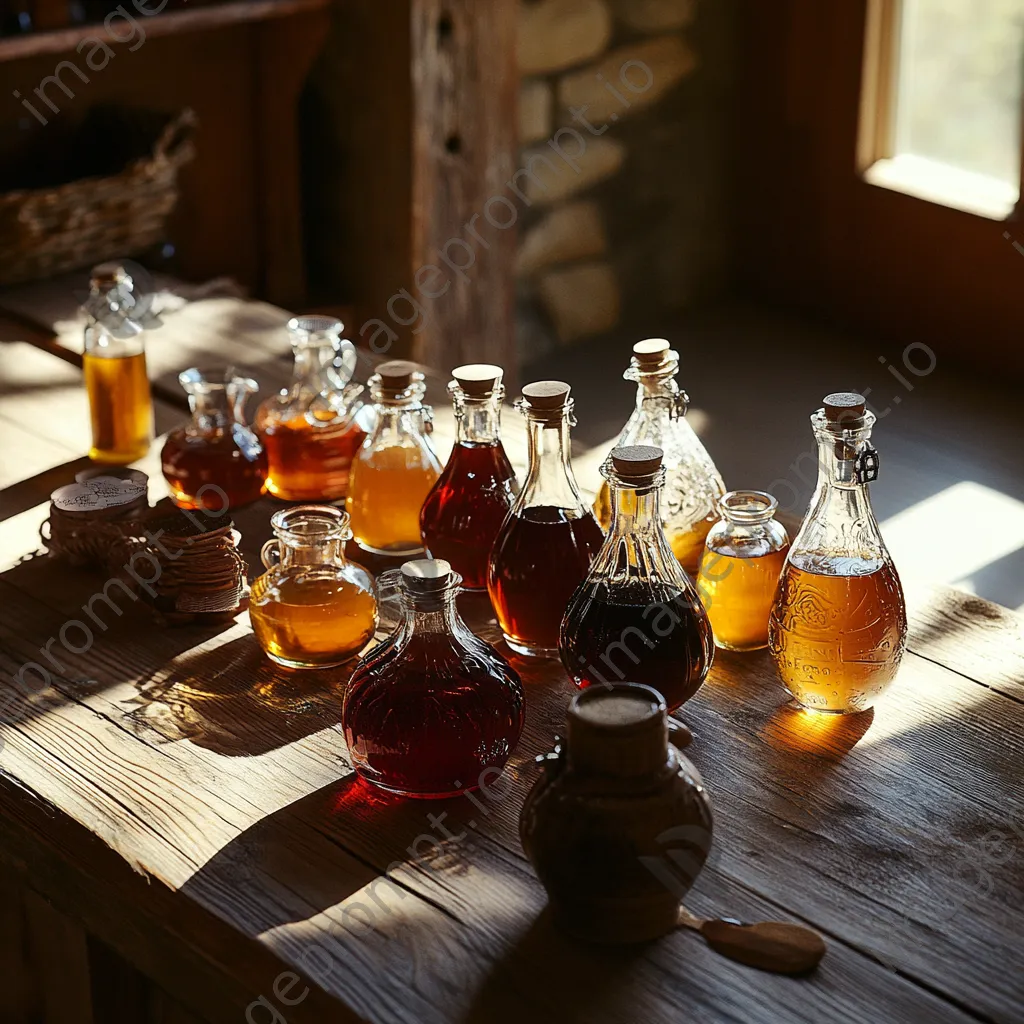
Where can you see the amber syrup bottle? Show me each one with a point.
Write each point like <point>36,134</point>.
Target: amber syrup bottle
<point>545,546</point>
<point>637,617</point>
<point>433,707</point>
<point>313,428</point>
<point>477,487</point>
<point>838,625</point>
<point>215,458</point>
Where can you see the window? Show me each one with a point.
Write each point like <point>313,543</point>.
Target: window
<point>941,109</point>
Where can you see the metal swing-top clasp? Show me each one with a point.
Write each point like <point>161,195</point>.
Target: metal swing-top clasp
<point>866,465</point>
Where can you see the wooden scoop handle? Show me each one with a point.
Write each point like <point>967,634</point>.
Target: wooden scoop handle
<point>778,946</point>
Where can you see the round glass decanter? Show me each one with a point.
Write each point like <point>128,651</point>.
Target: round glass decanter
<point>433,708</point>
<point>312,429</point>
<point>469,502</point>
<point>545,546</point>
<point>739,570</point>
<point>396,466</point>
<point>838,624</point>
<point>312,608</point>
<point>215,458</point>
<point>636,617</point>
<point>693,485</point>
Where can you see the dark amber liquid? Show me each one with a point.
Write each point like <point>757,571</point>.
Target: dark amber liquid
<point>616,634</point>
<point>239,470</point>
<point>308,463</point>
<point>427,723</point>
<point>838,638</point>
<point>464,512</point>
<point>539,559</point>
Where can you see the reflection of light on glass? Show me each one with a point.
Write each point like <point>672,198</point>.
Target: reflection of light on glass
<point>988,523</point>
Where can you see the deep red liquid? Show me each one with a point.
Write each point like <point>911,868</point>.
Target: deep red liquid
<point>429,720</point>
<point>602,619</point>
<point>238,468</point>
<point>461,516</point>
<point>539,559</point>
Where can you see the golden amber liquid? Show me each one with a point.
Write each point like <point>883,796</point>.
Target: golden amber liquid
<point>311,618</point>
<point>838,639</point>
<point>387,489</point>
<point>737,594</point>
<point>120,407</point>
<point>687,545</point>
<point>308,463</point>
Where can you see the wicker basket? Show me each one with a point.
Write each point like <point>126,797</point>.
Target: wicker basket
<point>48,231</point>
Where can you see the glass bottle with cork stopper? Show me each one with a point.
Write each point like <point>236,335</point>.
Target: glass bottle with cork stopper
<point>312,429</point>
<point>544,549</point>
<point>838,624</point>
<point>215,458</point>
<point>692,483</point>
<point>637,616</point>
<point>475,491</point>
<point>739,570</point>
<point>433,708</point>
<point>114,366</point>
<point>312,608</point>
<point>396,466</point>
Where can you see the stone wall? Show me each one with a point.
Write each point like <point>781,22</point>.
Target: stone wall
<point>633,96</point>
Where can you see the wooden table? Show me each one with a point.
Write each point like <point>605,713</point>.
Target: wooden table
<point>183,838</point>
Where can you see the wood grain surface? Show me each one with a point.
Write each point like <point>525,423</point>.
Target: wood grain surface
<point>180,801</point>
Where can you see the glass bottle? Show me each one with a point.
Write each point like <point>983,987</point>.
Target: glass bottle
<point>545,546</point>
<point>215,457</point>
<point>312,429</point>
<point>477,487</point>
<point>312,608</point>
<point>396,466</point>
<point>740,567</point>
<point>114,365</point>
<point>692,483</point>
<point>433,707</point>
<point>838,624</point>
<point>637,616</point>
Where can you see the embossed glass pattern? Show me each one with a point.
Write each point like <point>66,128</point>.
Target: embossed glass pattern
<point>838,624</point>
<point>693,485</point>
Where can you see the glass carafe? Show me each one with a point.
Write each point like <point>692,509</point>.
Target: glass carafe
<point>396,466</point>
<point>475,491</point>
<point>693,485</point>
<point>545,546</point>
<point>215,460</point>
<point>312,429</point>
<point>312,608</point>
<point>838,624</point>
<point>739,571</point>
<point>114,366</point>
<point>637,617</point>
<point>432,708</point>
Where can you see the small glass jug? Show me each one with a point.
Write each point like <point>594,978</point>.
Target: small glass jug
<point>215,461</point>
<point>838,625</point>
<point>312,429</point>
<point>636,617</point>
<point>739,571</point>
<point>396,466</point>
<point>692,483</point>
<point>312,608</point>
<point>433,711</point>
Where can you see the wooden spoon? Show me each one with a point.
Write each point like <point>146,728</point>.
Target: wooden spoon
<point>779,946</point>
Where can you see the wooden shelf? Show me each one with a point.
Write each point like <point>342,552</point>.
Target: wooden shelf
<point>171,23</point>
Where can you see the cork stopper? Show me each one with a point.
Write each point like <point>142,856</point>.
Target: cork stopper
<point>620,730</point>
<point>547,394</point>
<point>397,374</point>
<point>426,575</point>
<point>636,461</point>
<point>652,352</point>
<point>845,408</point>
<point>478,379</point>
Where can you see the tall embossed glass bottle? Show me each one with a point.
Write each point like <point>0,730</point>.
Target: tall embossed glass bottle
<point>838,625</point>
<point>692,483</point>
